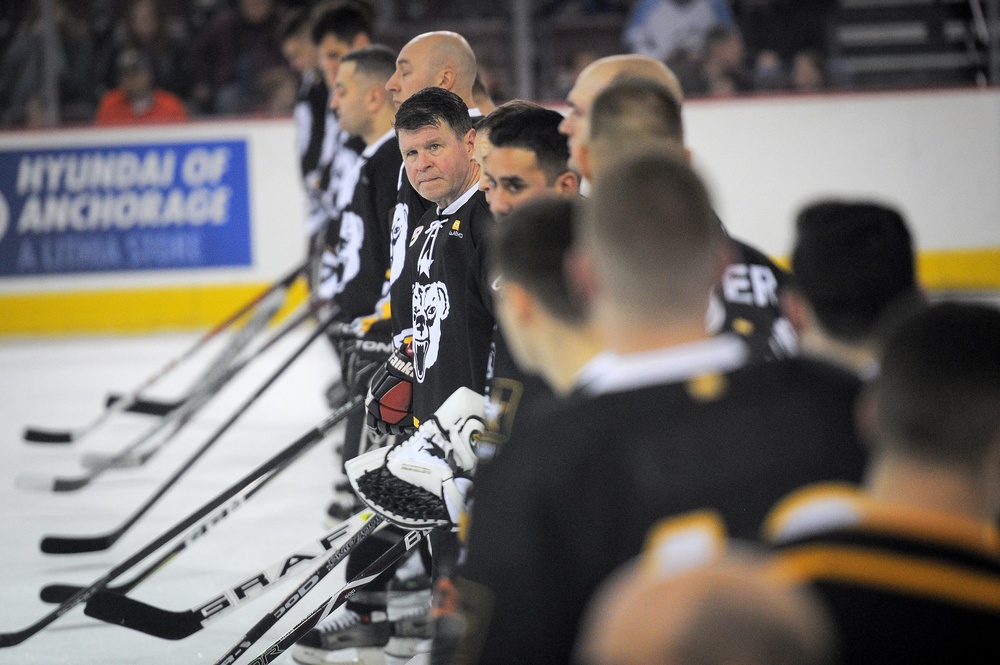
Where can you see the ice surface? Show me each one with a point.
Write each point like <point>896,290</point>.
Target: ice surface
<point>62,383</point>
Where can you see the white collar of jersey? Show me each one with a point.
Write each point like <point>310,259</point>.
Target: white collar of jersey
<point>592,370</point>
<point>459,202</point>
<point>632,371</point>
<point>474,112</point>
<point>370,150</point>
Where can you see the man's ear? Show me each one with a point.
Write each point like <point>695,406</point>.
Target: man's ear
<point>470,143</point>
<point>522,304</point>
<point>446,79</point>
<point>584,161</point>
<point>567,184</point>
<point>374,98</point>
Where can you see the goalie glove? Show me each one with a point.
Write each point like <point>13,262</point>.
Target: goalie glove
<point>389,402</point>
<point>423,481</point>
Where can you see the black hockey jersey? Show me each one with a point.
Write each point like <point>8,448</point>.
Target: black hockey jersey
<point>310,115</point>
<point>446,353</point>
<point>358,244</point>
<point>572,496</point>
<point>902,585</point>
<point>746,303</point>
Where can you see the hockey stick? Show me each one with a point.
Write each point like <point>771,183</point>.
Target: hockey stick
<point>178,419</point>
<point>112,607</point>
<point>143,405</point>
<point>215,510</point>
<point>36,435</point>
<point>373,570</point>
<point>77,544</point>
<point>271,618</point>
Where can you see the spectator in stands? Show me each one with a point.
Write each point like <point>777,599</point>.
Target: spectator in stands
<point>22,71</point>
<point>147,26</point>
<point>663,29</point>
<point>720,71</point>
<point>809,71</point>
<point>855,274</point>
<point>910,566</point>
<point>136,100</point>
<point>230,53</point>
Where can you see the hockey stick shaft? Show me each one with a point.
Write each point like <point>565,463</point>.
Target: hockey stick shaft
<point>217,509</point>
<point>178,419</point>
<point>121,610</point>
<point>125,402</point>
<point>271,618</point>
<point>373,570</point>
<point>71,545</point>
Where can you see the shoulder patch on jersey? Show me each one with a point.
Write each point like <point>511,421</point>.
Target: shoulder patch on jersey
<point>743,326</point>
<point>416,234</point>
<point>707,387</point>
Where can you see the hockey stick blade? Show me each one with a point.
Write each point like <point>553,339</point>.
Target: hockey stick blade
<point>92,461</point>
<point>35,435</point>
<point>36,483</point>
<point>57,593</point>
<point>64,544</point>
<point>144,405</point>
<point>120,610</point>
<point>212,512</point>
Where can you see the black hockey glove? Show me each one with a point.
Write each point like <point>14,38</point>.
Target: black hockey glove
<point>361,357</point>
<point>390,395</point>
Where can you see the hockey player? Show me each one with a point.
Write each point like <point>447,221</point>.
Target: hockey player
<point>910,565</point>
<point>525,157</point>
<point>435,136</point>
<point>638,110</point>
<point>435,59</point>
<point>855,273</point>
<point>334,32</point>
<point>676,421</point>
<point>356,258</point>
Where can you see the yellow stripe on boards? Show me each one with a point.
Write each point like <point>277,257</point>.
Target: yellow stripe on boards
<point>951,270</point>
<point>130,311</point>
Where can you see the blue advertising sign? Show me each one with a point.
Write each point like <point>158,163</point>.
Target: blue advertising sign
<point>123,208</point>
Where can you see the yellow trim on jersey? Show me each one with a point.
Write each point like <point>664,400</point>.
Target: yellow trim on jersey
<point>825,501</point>
<point>889,571</point>
<point>675,544</point>
<point>130,310</point>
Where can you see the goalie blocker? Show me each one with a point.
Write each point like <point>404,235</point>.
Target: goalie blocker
<point>422,482</point>
<point>390,396</point>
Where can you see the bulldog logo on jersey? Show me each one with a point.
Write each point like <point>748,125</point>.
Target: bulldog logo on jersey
<point>431,306</point>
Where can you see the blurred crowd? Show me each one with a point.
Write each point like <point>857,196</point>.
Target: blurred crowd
<point>172,59</point>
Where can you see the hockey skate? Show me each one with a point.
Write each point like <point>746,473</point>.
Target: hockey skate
<point>347,638</point>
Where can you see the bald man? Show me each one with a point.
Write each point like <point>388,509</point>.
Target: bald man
<point>441,59</point>
<point>622,102</point>
<point>594,78</point>
<point>725,613</point>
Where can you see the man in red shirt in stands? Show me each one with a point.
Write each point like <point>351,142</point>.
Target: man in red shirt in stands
<point>136,100</point>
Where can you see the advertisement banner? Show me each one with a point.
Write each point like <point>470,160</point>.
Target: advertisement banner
<point>124,208</point>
